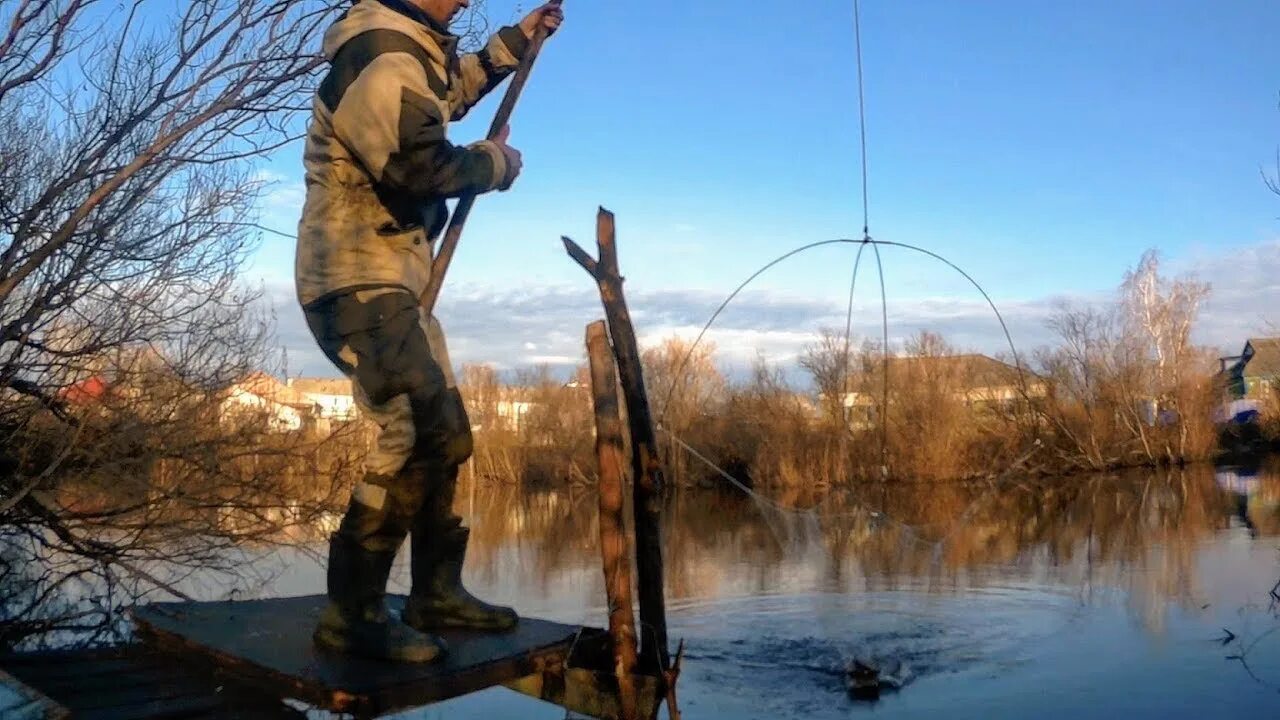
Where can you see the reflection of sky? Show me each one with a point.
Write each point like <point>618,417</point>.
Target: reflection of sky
<point>1043,163</point>
<point>1241,483</point>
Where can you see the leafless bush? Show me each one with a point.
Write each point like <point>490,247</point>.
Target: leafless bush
<point>1127,385</point>
<point>687,391</point>
<point>472,27</point>
<point>126,209</point>
<point>537,430</point>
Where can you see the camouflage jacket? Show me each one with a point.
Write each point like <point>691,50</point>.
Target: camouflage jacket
<point>378,164</point>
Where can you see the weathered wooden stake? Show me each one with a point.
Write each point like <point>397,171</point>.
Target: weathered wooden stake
<point>613,536</point>
<point>647,472</point>
<point>670,678</point>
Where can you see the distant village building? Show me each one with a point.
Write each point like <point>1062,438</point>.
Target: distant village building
<point>121,374</point>
<point>137,376</point>
<point>307,404</point>
<point>512,413</point>
<point>520,409</point>
<point>332,398</point>
<point>1255,372</point>
<point>89,391</point>
<point>980,382</point>
<point>259,397</point>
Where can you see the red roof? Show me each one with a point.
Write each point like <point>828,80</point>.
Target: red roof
<point>85,391</point>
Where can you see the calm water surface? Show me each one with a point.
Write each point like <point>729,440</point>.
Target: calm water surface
<point>1092,597</point>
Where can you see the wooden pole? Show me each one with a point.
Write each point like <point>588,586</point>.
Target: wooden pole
<point>444,256</point>
<point>613,537</point>
<point>647,472</point>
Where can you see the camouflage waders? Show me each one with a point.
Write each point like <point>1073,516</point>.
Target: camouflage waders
<point>379,171</point>
<point>402,380</point>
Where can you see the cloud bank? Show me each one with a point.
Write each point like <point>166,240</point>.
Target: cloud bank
<point>521,326</point>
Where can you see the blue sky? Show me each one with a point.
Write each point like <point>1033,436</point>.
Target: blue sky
<point>1041,146</point>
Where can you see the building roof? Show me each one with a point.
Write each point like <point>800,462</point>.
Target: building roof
<point>976,376</point>
<point>1265,359</point>
<point>85,391</point>
<point>321,386</point>
<point>972,370</point>
<point>268,387</point>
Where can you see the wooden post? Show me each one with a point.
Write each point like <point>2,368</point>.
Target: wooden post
<point>613,536</point>
<point>647,472</point>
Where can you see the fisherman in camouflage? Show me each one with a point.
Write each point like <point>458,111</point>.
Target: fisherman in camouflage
<point>378,171</point>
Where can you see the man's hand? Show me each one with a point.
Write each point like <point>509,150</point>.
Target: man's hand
<point>548,16</point>
<point>514,160</point>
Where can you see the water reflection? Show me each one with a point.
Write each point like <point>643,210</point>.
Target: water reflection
<point>1138,533</point>
<point>1014,599</point>
<point>1019,599</point>
<point>1046,598</point>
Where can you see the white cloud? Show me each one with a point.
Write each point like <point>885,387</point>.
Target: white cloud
<point>1245,298</point>
<point>513,327</point>
<point>569,360</point>
<point>281,200</point>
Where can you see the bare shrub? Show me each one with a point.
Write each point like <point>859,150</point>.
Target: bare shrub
<point>126,209</point>
<point>686,390</point>
<point>1127,385</point>
<point>537,430</point>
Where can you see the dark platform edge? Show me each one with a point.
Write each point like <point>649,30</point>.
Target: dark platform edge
<point>133,681</point>
<point>387,699</point>
<point>51,709</point>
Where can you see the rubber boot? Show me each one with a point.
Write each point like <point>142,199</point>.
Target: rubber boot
<point>356,622</point>
<point>438,600</point>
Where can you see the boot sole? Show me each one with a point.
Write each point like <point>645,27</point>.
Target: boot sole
<point>437,624</point>
<point>333,641</point>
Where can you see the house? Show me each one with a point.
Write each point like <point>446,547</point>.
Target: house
<point>980,382</point>
<point>259,397</point>
<point>332,399</point>
<point>89,391</point>
<point>1255,372</point>
<point>507,410</point>
<point>520,409</point>
<point>512,413</point>
<point>119,374</point>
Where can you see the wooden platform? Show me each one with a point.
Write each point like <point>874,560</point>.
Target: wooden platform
<point>19,701</point>
<point>267,645</point>
<point>132,683</point>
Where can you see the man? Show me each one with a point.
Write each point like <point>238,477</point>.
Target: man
<point>378,171</point>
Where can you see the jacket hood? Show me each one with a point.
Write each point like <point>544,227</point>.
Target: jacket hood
<point>369,15</point>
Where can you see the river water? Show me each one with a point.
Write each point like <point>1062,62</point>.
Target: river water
<point>1087,597</point>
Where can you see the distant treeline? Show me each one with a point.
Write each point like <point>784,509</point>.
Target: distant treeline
<point>1123,386</point>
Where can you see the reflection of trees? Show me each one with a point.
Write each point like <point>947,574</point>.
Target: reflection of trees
<point>181,502</point>
<point>1138,534</point>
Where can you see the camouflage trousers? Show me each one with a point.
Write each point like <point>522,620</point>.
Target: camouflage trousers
<point>401,379</point>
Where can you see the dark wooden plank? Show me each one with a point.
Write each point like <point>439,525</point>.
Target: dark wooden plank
<point>20,701</point>
<point>157,709</point>
<point>69,664</point>
<point>267,644</point>
<point>137,677</point>
<point>131,681</point>
<point>145,691</point>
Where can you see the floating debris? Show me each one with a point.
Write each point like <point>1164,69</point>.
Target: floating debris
<point>866,678</point>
